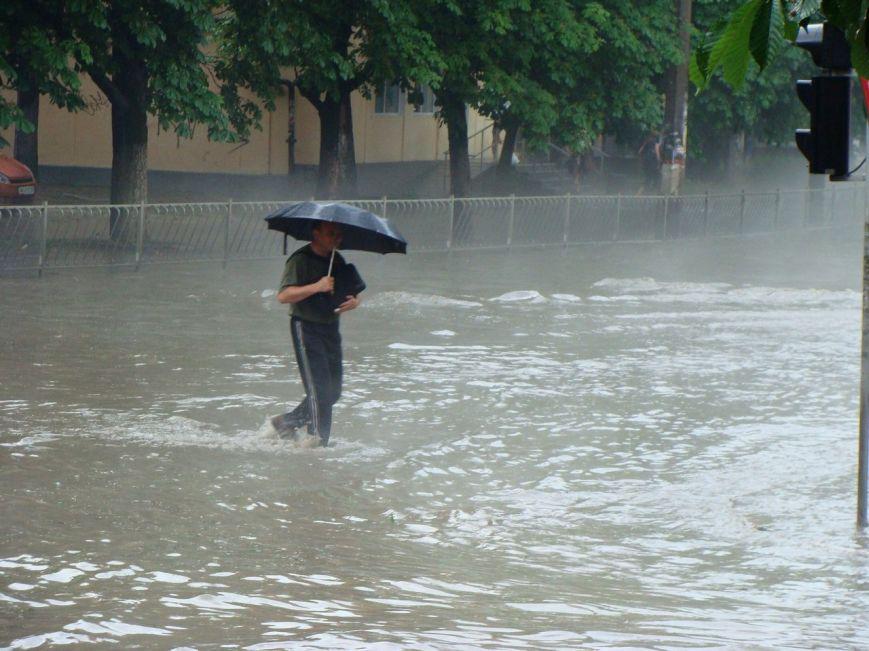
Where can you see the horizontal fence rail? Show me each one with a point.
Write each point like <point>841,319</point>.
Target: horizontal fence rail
<point>53,237</point>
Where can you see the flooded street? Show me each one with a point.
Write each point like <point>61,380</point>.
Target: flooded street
<point>610,446</point>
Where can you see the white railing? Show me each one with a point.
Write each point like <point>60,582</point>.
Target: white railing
<point>51,237</point>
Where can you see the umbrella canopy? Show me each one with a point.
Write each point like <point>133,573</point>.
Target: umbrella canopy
<point>362,230</point>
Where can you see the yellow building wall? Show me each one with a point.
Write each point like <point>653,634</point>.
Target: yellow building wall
<point>83,139</point>
<point>378,138</point>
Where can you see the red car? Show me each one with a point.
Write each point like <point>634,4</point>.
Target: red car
<point>17,183</point>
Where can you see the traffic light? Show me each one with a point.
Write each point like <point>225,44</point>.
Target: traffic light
<point>828,98</point>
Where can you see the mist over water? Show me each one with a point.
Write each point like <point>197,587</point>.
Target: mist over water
<point>643,446</point>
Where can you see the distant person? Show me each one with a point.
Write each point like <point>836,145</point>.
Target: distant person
<point>673,159</point>
<point>496,140</point>
<point>650,159</point>
<point>307,287</point>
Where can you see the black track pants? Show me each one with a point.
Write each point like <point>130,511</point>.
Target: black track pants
<point>318,354</point>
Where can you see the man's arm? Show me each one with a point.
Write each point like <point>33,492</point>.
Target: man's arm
<point>296,293</point>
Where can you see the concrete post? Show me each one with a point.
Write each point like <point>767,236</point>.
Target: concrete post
<point>140,234</point>
<point>227,224</point>
<point>452,221</point>
<point>512,223</point>
<point>666,216</point>
<point>706,214</point>
<point>618,229</point>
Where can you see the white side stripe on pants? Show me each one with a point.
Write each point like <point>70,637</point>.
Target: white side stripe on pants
<point>312,388</point>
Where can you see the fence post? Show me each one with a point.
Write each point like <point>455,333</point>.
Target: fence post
<point>566,218</point>
<point>446,172</point>
<point>741,211</point>
<point>226,226</point>
<point>666,216</point>
<point>452,221</point>
<point>777,216</point>
<point>706,214</point>
<point>140,234</point>
<point>43,245</point>
<point>512,223</point>
<point>618,230</point>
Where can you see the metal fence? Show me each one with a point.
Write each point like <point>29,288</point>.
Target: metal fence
<point>54,237</point>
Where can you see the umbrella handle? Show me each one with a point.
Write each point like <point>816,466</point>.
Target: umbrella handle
<point>331,260</point>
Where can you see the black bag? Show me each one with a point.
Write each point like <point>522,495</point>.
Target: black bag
<point>348,282</point>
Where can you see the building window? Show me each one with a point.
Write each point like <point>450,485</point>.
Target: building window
<point>387,99</point>
<point>424,99</point>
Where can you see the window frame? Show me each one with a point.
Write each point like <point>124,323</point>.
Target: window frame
<point>380,96</point>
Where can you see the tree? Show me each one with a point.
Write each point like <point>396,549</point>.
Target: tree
<point>326,50</point>
<point>558,70</point>
<point>572,81</point>
<point>37,56</point>
<point>147,58</point>
<point>676,106</point>
<point>468,36</point>
<point>639,42</point>
<point>532,72</point>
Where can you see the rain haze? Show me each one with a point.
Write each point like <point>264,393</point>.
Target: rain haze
<point>630,445</point>
<point>608,399</point>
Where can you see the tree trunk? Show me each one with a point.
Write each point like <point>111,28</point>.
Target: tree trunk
<point>505,162</point>
<point>291,130</point>
<point>455,115</point>
<point>676,106</point>
<point>336,174</point>
<point>26,144</point>
<point>129,140</point>
<point>346,148</point>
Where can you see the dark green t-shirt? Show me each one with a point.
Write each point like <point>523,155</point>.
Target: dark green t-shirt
<point>303,268</point>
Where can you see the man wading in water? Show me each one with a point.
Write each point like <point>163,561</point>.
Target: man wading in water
<point>307,286</point>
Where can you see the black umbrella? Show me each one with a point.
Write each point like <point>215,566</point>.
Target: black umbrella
<point>361,229</point>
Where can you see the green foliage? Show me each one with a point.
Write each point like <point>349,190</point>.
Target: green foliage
<point>759,28</point>
<point>37,47</point>
<point>565,70</point>
<point>326,48</point>
<point>764,106</point>
<point>166,38</point>
<point>618,87</point>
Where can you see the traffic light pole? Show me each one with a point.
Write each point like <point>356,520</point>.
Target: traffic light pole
<point>862,474</point>
<point>826,146</point>
<point>863,446</point>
